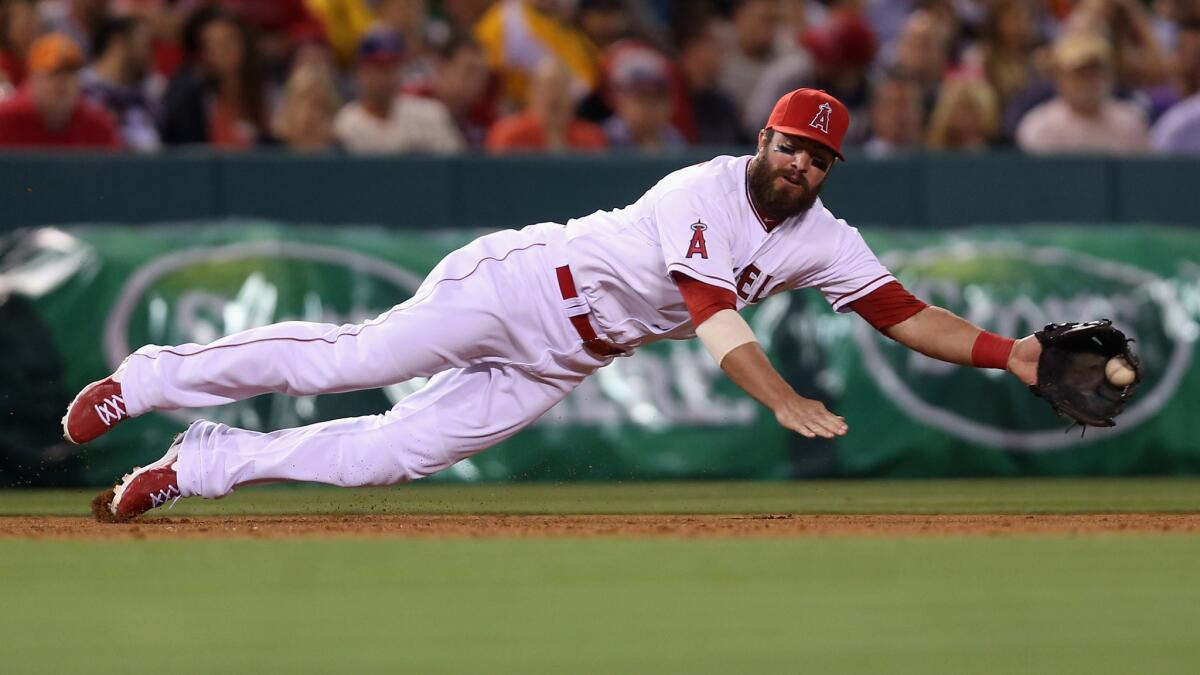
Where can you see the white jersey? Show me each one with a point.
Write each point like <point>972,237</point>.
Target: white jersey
<point>493,326</point>
<point>699,222</point>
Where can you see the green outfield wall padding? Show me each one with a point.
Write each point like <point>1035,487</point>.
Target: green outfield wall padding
<point>79,299</point>
<point>912,192</point>
<point>40,189</point>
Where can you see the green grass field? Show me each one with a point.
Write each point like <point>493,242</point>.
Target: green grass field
<point>974,496</point>
<point>1028,604</point>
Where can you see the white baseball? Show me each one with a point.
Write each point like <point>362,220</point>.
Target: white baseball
<point>1118,372</point>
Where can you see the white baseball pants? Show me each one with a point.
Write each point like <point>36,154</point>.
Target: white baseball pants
<point>488,323</point>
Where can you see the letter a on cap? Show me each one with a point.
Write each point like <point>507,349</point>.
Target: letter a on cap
<point>794,115</point>
<point>821,120</point>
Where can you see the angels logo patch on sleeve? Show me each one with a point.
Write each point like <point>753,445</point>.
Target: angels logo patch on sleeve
<point>698,246</point>
<point>695,237</point>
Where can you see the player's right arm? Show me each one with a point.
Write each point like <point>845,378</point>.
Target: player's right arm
<point>697,244</point>
<point>749,368</point>
<point>731,342</point>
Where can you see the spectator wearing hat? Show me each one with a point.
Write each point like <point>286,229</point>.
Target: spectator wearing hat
<point>600,104</point>
<point>640,81</point>
<point>19,27</point>
<point>423,37</point>
<point>713,114</point>
<point>1178,130</point>
<point>548,122</point>
<point>49,111</point>
<point>1083,116</point>
<point>1138,60</point>
<point>121,80</point>
<point>836,57</point>
<point>383,119</point>
<point>218,97</point>
<point>1142,65</point>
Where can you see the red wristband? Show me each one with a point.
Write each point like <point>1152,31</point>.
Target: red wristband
<point>991,351</point>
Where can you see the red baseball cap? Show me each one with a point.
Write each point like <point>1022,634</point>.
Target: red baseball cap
<point>814,114</point>
<point>844,40</point>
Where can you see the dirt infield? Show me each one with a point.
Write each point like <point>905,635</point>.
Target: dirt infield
<point>679,526</point>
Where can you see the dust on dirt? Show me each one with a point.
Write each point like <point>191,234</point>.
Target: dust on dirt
<point>550,526</point>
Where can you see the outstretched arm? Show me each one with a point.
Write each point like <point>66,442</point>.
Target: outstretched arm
<point>729,339</point>
<point>940,334</point>
<point>733,346</point>
<point>749,368</point>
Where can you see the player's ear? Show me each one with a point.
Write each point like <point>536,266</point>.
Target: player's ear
<point>764,137</point>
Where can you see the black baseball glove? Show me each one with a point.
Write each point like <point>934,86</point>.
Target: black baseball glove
<point>1071,371</point>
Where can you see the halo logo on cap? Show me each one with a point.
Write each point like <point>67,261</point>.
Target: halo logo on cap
<point>813,114</point>
<point>821,121</point>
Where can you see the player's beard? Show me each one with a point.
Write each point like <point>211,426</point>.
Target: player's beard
<point>773,202</point>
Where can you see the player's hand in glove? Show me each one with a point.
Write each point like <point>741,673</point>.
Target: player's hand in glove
<point>1023,361</point>
<point>1073,370</point>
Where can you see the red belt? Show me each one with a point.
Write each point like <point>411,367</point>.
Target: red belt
<point>591,341</point>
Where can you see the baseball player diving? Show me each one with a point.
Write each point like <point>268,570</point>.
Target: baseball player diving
<point>509,324</point>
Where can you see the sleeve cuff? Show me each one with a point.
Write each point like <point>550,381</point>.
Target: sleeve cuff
<point>842,303</point>
<point>720,282</point>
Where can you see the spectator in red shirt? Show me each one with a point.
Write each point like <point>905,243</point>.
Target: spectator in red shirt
<point>548,122</point>
<point>19,27</point>
<point>49,111</point>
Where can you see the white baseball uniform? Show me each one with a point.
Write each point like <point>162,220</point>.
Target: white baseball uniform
<point>497,329</point>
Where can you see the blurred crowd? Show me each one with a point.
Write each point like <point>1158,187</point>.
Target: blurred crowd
<point>429,76</point>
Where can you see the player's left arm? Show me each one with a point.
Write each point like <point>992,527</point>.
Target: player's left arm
<point>932,331</point>
<point>939,333</point>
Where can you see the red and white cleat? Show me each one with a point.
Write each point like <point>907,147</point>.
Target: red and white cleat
<point>95,410</point>
<point>148,487</point>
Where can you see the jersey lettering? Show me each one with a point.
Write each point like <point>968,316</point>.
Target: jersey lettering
<point>766,283</point>
<point>697,245</point>
<point>745,281</point>
<point>748,279</point>
<point>821,120</point>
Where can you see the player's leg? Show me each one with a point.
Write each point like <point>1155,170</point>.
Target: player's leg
<point>295,357</point>
<point>458,414</point>
<point>445,327</point>
<point>490,301</point>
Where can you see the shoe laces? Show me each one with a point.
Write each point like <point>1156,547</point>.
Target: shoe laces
<point>160,497</point>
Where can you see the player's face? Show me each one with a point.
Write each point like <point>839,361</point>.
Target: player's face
<point>787,173</point>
